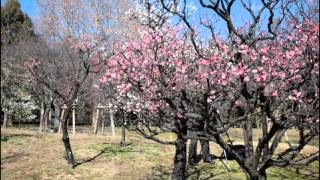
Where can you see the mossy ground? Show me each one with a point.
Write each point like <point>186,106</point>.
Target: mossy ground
<point>27,154</point>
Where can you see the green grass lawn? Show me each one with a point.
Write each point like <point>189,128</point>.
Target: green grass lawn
<point>27,154</point>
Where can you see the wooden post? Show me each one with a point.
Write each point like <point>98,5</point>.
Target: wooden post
<point>5,120</point>
<point>103,123</point>
<point>49,116</point>
<point>112,123</point>
<point>96,121</point>
<point>45,128</point>
<point>41,117</point>
<point>94,111</point>
<point>73,120</point>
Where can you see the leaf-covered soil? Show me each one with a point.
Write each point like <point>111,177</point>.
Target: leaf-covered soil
<point>27,154</point>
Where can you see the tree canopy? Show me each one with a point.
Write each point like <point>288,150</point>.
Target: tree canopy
<point>15,25</point>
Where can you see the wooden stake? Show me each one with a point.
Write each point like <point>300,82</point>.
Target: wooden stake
<point>112,123</point>
<point>96,122</point>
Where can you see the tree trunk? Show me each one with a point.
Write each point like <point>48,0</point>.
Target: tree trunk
<point>192,157</point>
<point>94,111</point>
<point>265,130</point>
<point>252,177</point>
<point>205,150</point>
<point>60,124</point>
<point>248,142</point>
<point>45,120</point>
<point>112,123</point>
<point>10,120</point>
<point>65,139</point>
<point>5,120</point>
<point>180,159</point>
<point>41,117</point>
<point>56,121</point>
<point>263,175</point>
<point>123,135</point>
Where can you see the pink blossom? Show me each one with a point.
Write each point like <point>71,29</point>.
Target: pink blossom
<point>204,62</point>
<point>244,49</point>
<point>265,50</point>
<point>261,77</point>
<point>275,93</point>
<point>282,75</point>
<point>290,54</point>
<point>147,39</point>
<point>238,103</point>
<point>296,93</point>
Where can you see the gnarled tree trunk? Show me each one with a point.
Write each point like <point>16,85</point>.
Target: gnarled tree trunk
<point>192,158</point>
<point>263,174</point>
<point>65,138</point>
<point>180,159</point>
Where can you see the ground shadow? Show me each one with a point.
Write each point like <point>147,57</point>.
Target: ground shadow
<point>11,136</point>
<point>159,172</point>
<point>196,171</point>
<point>90,159</point>
<point>109,149</point>
<point>302,171</point>
<point>12,158</point>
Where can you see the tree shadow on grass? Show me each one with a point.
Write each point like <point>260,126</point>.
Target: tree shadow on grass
<point>291,172</point>
<point>159,172</point>
<point>203,172</point>
<point>196,172</point>
<point>193,172</point>
<point>12,158</point>
<point>112,148</point>
<point>90,159</point>
<point>12,136</point>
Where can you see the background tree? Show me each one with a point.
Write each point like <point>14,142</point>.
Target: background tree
<point>82,32</point>
<point>16,100</point>
<point>15,25</point>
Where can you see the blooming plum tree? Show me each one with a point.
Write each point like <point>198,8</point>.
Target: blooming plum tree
<point>255,74</point>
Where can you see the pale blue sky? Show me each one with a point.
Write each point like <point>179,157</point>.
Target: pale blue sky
<point>30,7</point>
<point>239,15</point>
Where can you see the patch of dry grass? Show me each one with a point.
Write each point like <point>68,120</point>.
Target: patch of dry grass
<point>27,154</point>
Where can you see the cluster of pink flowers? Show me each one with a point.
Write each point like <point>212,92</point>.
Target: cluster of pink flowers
<point>163,62</point>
